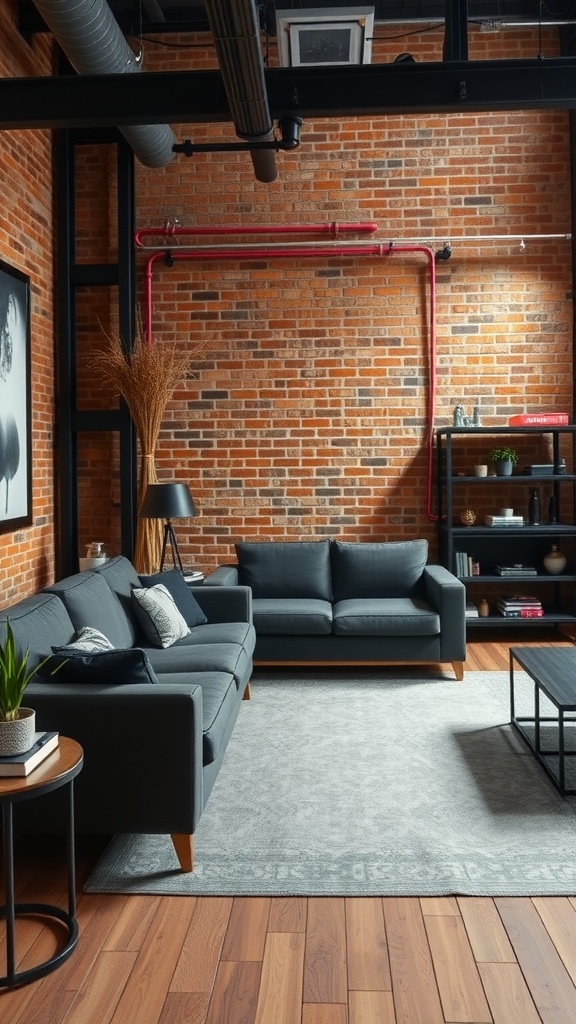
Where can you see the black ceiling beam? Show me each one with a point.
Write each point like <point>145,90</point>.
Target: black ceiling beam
<point>198,97</point>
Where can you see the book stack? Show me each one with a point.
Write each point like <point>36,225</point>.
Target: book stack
<point>515,570</point>
<point>471,610</point>
<point>504,521</point>
<point>193,576</point>
<point>23,764</point>
<point>520,606</point>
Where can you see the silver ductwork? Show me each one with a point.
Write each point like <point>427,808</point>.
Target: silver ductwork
<point>92,40</point>
<point>236,32</point>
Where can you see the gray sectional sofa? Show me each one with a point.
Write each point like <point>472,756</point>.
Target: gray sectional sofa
<point>335,602</point>
<point>154,721</point>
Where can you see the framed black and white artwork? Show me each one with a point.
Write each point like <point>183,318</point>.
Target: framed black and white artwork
<point>15,413</point>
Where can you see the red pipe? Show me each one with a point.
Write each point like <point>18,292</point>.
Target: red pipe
<point>374,249</point>
<point>333,228</point>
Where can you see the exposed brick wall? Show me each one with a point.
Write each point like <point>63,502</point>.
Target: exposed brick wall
<point>307,410</point>
<point>26,242</point>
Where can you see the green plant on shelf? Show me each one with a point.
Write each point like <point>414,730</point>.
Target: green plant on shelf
<point>504,455</point>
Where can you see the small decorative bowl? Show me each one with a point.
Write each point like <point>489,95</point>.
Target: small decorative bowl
<point>468,517</point>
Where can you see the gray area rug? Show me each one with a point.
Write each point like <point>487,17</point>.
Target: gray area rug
<point>367,783</point>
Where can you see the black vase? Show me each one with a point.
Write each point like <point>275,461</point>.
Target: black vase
<point>534,508</point>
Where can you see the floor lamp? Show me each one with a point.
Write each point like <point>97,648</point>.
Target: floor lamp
<point>168,501</point>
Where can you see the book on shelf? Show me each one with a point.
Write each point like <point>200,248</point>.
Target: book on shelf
<point>515,570</point>
<point>519,600</point>
<point>23,764</point>
<point>504,520</point>
<point>471,610</point>
<point>522,613</point>
<point>539,419</point>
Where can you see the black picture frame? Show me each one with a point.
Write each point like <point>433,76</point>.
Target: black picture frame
<point>15,400</point>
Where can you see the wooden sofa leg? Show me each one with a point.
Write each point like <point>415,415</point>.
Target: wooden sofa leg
<point>458,667</point>
<point>184,846</point>
<point>247,693</point>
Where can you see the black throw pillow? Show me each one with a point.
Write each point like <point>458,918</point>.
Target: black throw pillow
<point>112,668</point>
<point>177,587</point>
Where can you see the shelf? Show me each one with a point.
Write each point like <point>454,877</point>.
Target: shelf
<point>525,543</point>
<point>524,580</point>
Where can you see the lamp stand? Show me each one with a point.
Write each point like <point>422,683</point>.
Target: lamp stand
<point>170,536</point>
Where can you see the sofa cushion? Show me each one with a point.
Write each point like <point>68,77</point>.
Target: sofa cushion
<point>219,702</point>
<point>158,615</point>
<point>90,602</point>
<point>282,615</point>
<point>110,668</point>
<point>37,622</point>
<point>184,600</point>
<point>285,568</point>
<point>388,569</point>
<point>388,616</point>
<point>232,659</point>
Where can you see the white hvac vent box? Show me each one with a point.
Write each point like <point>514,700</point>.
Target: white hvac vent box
<point>320,36</point>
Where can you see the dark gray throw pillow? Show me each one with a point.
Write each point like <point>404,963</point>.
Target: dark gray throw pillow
<point>112,668</point>
<point>184,600</point>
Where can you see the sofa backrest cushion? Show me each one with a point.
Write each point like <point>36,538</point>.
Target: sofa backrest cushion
<point>89,601</point>
<point>387,569</point>
<point>37,622</point>
<point>285,568</point>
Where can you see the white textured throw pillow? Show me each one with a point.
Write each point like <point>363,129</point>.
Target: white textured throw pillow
<point>90,640</point>
<point>158,615</point>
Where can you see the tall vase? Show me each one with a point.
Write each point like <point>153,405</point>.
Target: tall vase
<point>149,532</point>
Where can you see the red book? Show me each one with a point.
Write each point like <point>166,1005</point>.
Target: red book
<point>524,613</point>
<point>539,419</point>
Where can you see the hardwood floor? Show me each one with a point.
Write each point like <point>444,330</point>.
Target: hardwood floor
<point>178,960</point>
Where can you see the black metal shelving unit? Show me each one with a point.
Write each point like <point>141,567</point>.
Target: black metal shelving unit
<point>510,545</point>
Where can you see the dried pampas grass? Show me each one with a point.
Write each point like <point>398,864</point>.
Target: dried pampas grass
<point>146,378</point>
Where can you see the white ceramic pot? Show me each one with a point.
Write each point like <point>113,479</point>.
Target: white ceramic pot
<point>17,736</point>
<point>554,561</point>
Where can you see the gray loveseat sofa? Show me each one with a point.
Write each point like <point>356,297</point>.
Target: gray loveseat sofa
<point>335,602</point>
<point>151,752</point>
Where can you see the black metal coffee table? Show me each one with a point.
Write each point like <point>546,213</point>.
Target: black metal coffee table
<point>553,670</point>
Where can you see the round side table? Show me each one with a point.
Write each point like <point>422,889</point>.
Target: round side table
<point>60,768</point>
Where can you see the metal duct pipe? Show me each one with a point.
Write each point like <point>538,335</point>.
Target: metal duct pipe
<point>93,43</point>
<point>236,32</point>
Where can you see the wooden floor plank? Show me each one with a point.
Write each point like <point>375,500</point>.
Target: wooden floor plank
<point>507,993</point>
<point>442,905</point>
<point>234,997</point>
<point>371,1008</point>
<point>559,918</point>
<point>486,933</point>
<point>416,997</point>
<point>550,985</point>
<point>325,963</point>
<point>368,964</point>
<point>246,932</point>
<point>184,1008</point>
<point>461,992</point>
<point>202,945</point>
<point>324,1013</point>
<point>132,923</point>
<point>288,914</point>
<point>280,996</point>
<point>145,993</point>
<point>96,1001</point>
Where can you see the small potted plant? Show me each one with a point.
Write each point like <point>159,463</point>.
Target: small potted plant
<point>17,724</point>
<point>504,460</point>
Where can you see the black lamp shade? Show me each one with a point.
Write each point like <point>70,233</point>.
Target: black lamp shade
<point>168,501</point>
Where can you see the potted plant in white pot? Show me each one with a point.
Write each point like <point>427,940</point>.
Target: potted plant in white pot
<point>504,460</point>
<point>17,724</point>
